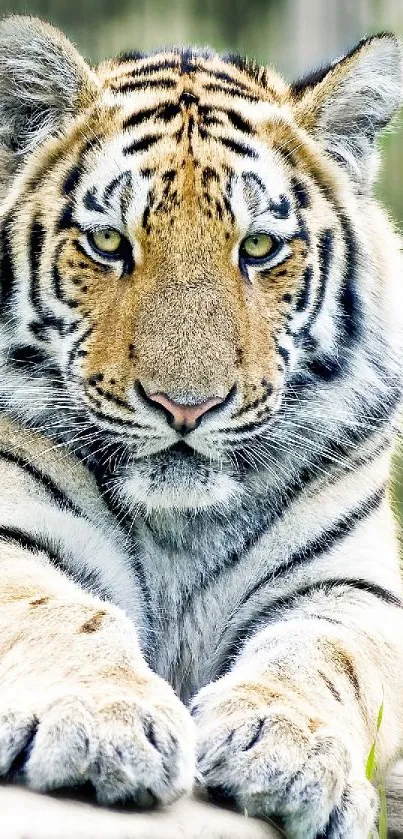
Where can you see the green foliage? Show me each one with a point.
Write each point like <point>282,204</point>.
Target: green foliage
<point>370,767</point>
<point>373,774</point>
<point>383,814</point>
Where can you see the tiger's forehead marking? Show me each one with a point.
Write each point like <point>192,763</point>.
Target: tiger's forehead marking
<point>190,110</point>
<point>180,76</point>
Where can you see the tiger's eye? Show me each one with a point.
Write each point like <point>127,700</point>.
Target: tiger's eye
<point>107,239</point>
<point>257,245</point>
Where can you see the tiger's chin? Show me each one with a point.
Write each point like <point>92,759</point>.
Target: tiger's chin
<point>173,480</point>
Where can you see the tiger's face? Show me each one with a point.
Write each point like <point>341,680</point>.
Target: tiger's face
<point>182,251</point>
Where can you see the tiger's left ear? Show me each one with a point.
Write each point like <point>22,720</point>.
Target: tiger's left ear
<point>348,103</point>
<point>43,81</point>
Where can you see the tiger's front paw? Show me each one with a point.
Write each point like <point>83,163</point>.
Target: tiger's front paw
<point>278,760</point>
<point>129,745</point>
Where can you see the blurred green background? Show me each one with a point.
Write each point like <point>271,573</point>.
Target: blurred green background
<point>294,35</point>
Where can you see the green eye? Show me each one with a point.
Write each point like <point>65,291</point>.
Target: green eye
<point>257,246</point>
<point>106,240</point>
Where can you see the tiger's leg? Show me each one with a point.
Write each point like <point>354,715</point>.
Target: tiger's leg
<point>288,729</point>
<point>78,702</point>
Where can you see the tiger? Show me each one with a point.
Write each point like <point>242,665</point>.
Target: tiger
<point>201,355</point>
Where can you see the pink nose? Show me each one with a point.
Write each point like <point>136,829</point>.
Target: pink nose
<point>184,418</point>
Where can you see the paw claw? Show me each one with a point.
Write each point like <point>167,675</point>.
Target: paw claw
<point>277,762</point>
<point>256,737</point>
<point>128,749</point>
<point>18,765</point>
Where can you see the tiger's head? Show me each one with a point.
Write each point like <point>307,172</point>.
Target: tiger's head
<point>185,251</point>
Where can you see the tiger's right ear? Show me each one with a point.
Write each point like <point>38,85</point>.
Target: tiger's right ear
<point>347,104</point>
<point>43,80</point>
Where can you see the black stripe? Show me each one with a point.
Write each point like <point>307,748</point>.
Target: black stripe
<point>238,148</point>
<point>27,356</point>
<point>89,579</point>
<point>165,112</point>
<point>57,285</point>
<point>168,111</point>
<point>111,397</point>
<point>325,252</point>
<point>226,77</point>
<point>91,202</point>
<point>76,348</point>
<point>142,144</point>
<point>60,294</point>
<point>66,220</point>
<point>7,276</point>
<point>112,420</point>
<point>253,181</point>
<point>30,360</point>
<point>228,207</point>
<point>125,520</point>
<point>36,242</point>
<point>169,175</point>
<point>210,118</point>
<point>280,208</point>
<point>124,178</point>
<point>210,112</point>
<point>238,122</point>
<point>71,180</point>
<point>322,544</point>
<point>155,67</point>
<point>130,55</point>
<point>238,61</point>
<point>129,87</point>
<point>38,330</point>
<point>145,222</point>
<point>231,91</point>
<point>310,80</point>
<point>283,353</point>
<point>112,186</point>
<point>34,544</point>
<point>328,368</point>
<point>301,194</point>
<point>187,61</point>
<point>58,495</point>
<point>349,301</point>
<point>139,117</point>
<point>305,292</point>
<point>265,616</point>
<point>365,585</point>
<point>187,98</point>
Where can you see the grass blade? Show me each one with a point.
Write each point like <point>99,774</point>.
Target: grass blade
<point>383,814</point>
<point>379,718</point>
<point>371,763</point>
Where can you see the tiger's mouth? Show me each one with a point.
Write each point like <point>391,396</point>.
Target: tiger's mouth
<point>178,477</point>
<point>179,465</point>
<point>183,449</point>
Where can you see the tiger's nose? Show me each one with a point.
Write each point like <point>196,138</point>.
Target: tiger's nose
<point>183,418</point>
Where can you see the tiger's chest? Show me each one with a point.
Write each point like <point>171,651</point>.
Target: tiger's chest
<point>195,597</point>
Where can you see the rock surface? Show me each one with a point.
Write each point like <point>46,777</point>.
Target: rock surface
<point>28,815</point>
